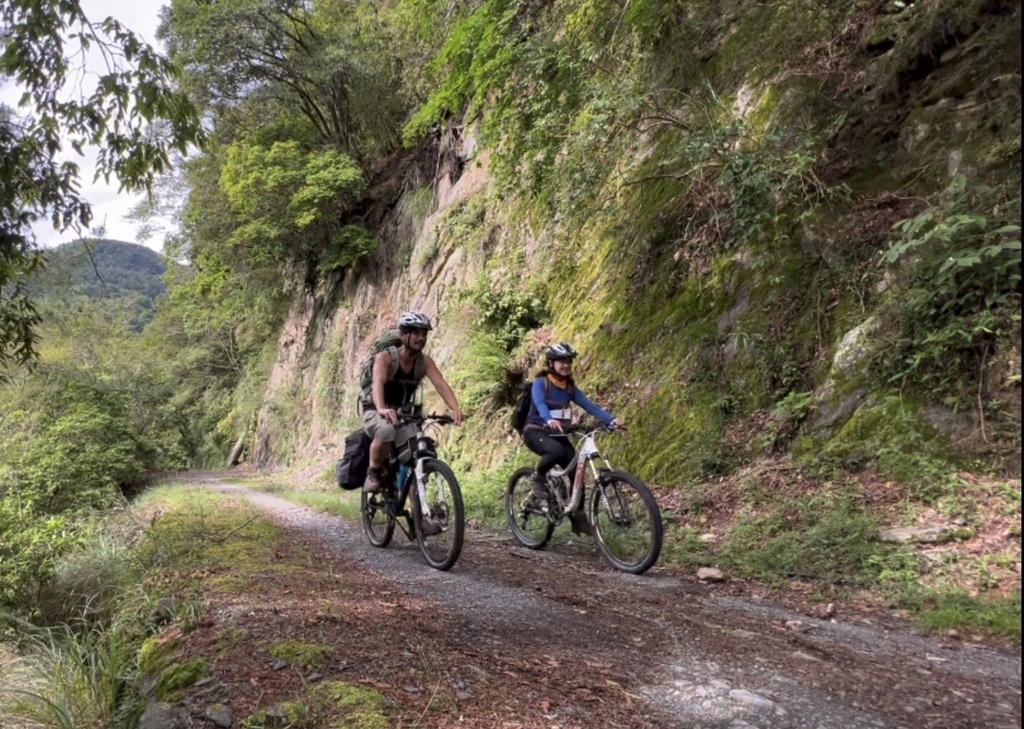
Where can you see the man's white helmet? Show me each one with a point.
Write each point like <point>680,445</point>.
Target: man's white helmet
<point>414,320</point>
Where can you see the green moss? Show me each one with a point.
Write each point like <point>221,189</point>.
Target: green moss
<point>155,652</point>
<point>358,707</point>
<point>769,37</point>
<point>178,676</point>
<point>305,655</point>
<point>890,433</point>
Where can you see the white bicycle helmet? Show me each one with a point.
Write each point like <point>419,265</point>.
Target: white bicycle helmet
<point>414,320</point>
<point>560,351</point>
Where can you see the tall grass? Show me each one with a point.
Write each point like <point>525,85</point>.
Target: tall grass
<point>70,677</point>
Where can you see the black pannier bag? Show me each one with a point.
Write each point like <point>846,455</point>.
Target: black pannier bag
<point>350,471</point>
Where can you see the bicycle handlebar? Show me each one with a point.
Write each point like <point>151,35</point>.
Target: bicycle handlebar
<point>430,418</point>
<point>587,428</point>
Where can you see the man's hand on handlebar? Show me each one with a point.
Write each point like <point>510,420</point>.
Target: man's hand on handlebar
<point>390,415</point>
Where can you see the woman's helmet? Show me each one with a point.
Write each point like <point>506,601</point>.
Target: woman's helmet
<point>414,320</point>
<point>560,351</point>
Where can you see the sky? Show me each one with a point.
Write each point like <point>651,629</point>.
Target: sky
<point>110,207</point>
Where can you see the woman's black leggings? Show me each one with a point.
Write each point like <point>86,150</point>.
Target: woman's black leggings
<point>553,451</point>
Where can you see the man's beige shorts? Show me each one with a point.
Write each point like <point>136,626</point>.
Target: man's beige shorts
<point>378,428</point>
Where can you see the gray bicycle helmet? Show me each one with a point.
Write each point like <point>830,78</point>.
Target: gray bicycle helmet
<point>414,320</point>
<point>560,351</point>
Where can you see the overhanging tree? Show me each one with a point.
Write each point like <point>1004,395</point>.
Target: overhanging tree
<point>134,117</point>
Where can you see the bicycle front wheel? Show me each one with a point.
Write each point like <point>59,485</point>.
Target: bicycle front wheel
<point>440,528</point>
<point>378,524</point>
<point>627,522</point>
<point>530,526</point>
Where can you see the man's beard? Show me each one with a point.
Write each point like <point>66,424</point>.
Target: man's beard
<point>415,348</point>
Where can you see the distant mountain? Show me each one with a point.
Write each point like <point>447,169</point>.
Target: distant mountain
<point>101,269</point>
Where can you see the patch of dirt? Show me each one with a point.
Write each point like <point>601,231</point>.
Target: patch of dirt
<point>516,638</point>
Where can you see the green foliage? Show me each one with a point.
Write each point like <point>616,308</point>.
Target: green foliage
<point>81,672</point>
<point>961,282</point>
<point>348,245</point>
<point>286,200</point>
<point>481,371</point>
<point>325,63</point>
<point>475,59</point>
<point>503,310</point>
<point>955,609</point>
<point>71,677</point>
<point>115,272</point>
<point>38,52</point>
<point>830,540</point>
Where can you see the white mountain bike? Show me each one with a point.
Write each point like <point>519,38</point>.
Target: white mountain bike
<point>620,508</point>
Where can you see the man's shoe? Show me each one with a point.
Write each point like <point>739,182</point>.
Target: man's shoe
<point>373,483</point>
<point>580,526</point>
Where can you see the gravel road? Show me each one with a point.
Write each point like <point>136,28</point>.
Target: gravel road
<point>681,653</point>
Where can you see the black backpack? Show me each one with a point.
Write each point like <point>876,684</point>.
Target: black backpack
<point>350,471</point>
<point>524,402</point>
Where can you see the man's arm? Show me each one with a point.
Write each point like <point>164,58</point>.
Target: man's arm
<point>381,363</point>
<point>441,385</point>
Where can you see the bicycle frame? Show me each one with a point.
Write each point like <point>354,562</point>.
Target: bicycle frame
<point>587,455</point>
<point>421,447</point>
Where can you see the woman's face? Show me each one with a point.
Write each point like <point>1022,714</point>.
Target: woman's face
<point>562,367</point>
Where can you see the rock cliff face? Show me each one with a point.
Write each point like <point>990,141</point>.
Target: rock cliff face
<point>722,335</point>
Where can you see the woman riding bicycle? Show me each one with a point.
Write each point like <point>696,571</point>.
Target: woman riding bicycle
<point>553,391</point>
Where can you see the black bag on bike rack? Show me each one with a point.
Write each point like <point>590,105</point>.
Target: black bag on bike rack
<point>350,471</point>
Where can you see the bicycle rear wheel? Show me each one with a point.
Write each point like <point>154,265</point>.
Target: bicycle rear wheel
<point>440,532</point>
<point>378,524</point>
<point>529,526</point>
<point>627,522</point>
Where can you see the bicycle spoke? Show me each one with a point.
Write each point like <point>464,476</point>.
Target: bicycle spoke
<point>529,525</point>
<point>627,523</point>
<point>441,524</point>
<point>378,522</point>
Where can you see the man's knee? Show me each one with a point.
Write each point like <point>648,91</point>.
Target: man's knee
<point>378,428</point>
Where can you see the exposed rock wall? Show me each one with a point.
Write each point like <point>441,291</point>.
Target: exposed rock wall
<point>911,103</point>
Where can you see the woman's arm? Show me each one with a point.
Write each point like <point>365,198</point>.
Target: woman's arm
<point>580,399</point>
<point>539,399</point>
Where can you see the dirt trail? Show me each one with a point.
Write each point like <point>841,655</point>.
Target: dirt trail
<point>557,639</point>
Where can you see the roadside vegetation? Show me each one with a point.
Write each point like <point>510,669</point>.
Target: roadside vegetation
<point>111,630</point>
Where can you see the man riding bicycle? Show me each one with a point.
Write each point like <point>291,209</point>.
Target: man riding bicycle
<point>394,389</point>
<point>553,391</point>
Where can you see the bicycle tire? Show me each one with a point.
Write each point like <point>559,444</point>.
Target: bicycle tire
<point>377,523</point>
<point>441,550</point>
<point>530,528</point>
<point>619,526</point>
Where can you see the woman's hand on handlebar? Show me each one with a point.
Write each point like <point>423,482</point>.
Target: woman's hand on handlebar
<point>555,426</point>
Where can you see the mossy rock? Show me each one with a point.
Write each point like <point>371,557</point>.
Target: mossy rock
<point>177,677</point>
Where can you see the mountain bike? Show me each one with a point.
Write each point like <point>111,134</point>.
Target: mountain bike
<point>620,508</point>
<point>434,516</point>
